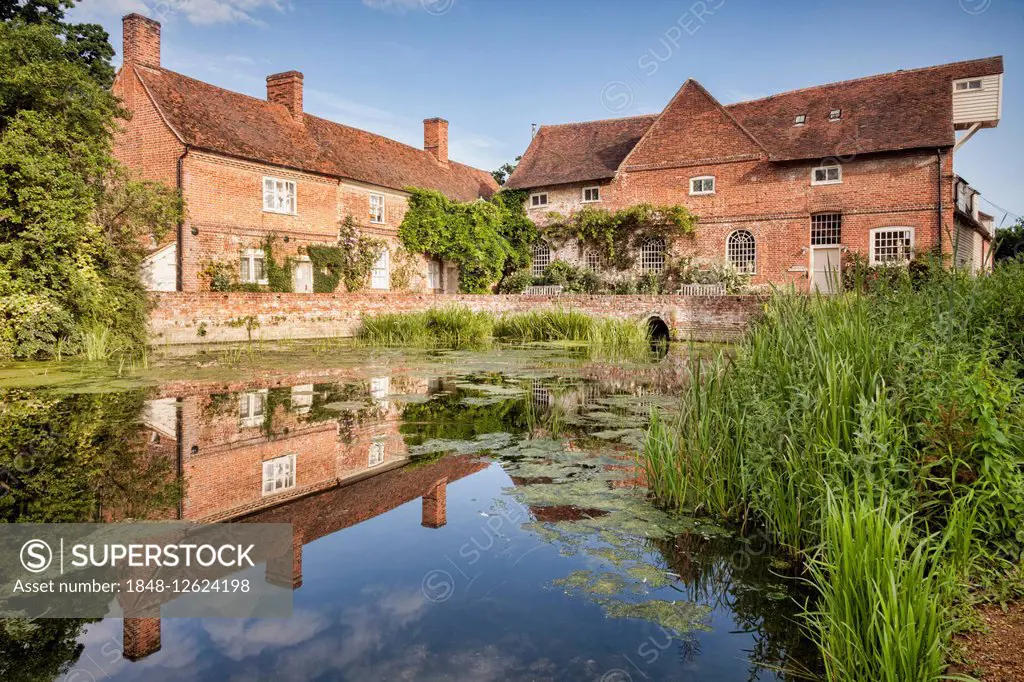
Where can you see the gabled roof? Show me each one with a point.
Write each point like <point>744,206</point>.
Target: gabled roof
<point>218,120</point>
<point>888,112</point>
<point>578,152</point>
<point>693,128</point>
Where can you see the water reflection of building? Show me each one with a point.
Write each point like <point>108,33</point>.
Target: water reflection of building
<point>320,457</point>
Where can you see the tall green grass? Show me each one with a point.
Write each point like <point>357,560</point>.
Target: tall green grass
<point>455,327</point>
<point>912,393</point>
<point>458,327</point>
<point>881,616</point>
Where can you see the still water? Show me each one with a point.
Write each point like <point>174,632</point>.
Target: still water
<point>457,516</point>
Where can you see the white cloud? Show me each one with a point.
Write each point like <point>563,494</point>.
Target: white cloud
<point>198,12</point>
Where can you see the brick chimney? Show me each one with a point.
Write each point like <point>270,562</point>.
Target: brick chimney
<point>141,40</point>
<point>286,88</point>
<point>435,138</point>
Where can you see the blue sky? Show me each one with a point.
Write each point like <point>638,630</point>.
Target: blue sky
<point>494,67</point>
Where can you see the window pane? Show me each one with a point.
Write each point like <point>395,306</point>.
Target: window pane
<point>257,266</point>
<point>245,272</point>
<point>826,229</point>
<point>741,252</point>
<point>652,255</point>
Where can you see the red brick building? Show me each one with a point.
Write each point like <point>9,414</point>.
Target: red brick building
<point>784,186</point>
<point>249,168</point>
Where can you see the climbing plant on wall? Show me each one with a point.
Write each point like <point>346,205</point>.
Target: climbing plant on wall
<point>349,262</point>
<point>617,235</point>
<point>279,275</point>
<point>487,239</point>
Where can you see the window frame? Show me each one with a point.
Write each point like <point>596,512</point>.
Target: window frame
<point>702,179</point>
<point>729,258</point>
<point>287,478</point>
<point>537,195</point>
<point>835,115</point>
<point>275,199</point>
<point>647,257</point>
<point>595,188</point>
<point>800,119</point>
<point>967,83</point>
<point>826,181</point>
<point>873,255</point>
<point>248,418</point>
<point>374,220</point>
<point>534,252</point>
<point>377,453</point>
<point>837,227</point>
<point>250,256</point>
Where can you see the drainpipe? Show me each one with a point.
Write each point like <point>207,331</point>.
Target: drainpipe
<point>938,177</point>
<point>180,255</point>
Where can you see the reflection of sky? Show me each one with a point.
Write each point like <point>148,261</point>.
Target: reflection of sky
<point>362,613</point>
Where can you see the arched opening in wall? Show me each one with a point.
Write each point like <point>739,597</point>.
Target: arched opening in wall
<point>659,334</point>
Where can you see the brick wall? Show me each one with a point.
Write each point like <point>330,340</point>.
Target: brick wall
<point>775,201</point>
<point>207,317</point>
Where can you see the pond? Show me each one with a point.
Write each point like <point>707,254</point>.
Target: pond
<point>457,516</point>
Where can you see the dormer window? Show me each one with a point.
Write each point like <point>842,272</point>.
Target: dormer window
<point>702,185</point>
<point>826,175</point>
<point>539,200</point>
<point>835,114</point>
<point>800,119</point>
<point>973,84</point>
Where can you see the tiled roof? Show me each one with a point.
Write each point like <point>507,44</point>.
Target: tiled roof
<point>888,112</point>
<point>214,119</point>
<point>578,152</point>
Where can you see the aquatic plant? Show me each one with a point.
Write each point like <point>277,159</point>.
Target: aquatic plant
<point>455,327</point>
<point>910,394</point>
<point>458,327</point>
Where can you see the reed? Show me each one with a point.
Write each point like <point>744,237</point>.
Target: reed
<point>881,616</point>
<point>910,395</point>
<point>453,327</point>
<point>458,327</point>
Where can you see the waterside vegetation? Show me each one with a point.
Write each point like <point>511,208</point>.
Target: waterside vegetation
<point>878,437</point>
<point>457,327</point>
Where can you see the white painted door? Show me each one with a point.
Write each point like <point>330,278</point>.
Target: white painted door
<point>380,277</point>
<point>825,273</point>
<point>434,270</point>
<point>303,277</point>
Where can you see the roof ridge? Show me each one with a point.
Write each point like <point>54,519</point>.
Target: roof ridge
<point>320,118</point>
<point>613,119</point>
<point>859,79</point>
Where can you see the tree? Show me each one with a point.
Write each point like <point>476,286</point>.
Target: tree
<point>70,217</point>
<point>505,171</point>
<point>88,44</point>
<point>1010,241</point>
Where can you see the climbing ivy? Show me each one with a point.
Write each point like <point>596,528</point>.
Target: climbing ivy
<point>487,239</point>
<point>618,235</point>
<point>279,277</point>
<point>349,262</point>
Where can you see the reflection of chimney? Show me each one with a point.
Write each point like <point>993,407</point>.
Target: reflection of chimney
<point>286,88</point>
<point>141,40</point>
<point>285,570</point>
<point>141,636</point>
<point>435,505</point>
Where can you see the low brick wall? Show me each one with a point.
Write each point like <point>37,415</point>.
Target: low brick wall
<point>189,318</point>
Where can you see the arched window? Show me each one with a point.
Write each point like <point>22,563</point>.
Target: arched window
<point>593,260</point>
<point>541,258</point>
<point>652,255</point>
<point>741,252</point>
